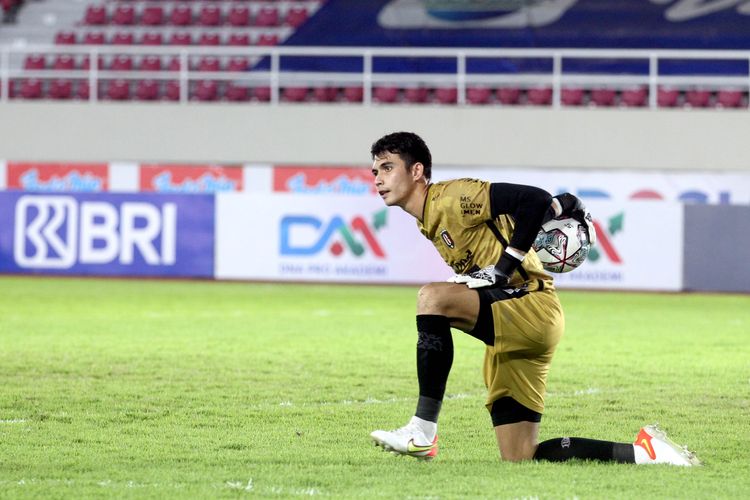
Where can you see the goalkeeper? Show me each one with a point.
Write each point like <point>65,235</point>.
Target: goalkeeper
<point>502,297</point>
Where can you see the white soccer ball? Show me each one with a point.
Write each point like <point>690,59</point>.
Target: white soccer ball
<point>562,244</point>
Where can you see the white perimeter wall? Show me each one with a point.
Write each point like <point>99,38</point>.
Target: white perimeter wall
<point>342,134</point>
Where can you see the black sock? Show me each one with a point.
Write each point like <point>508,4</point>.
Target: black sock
<point>434,360</point>
<point>562,449</point>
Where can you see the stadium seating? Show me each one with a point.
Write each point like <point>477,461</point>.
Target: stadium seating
<point>572,96</point>
<point>478,95</point>
<point>605,97</point>
<point>730,98</point>
<point>385,94</point>
<point>668,97</point>
<point>634,97</point>
<point>698,98</point>
<point>512,95</point>
<point>538,96</point>
<point>446,95</point>
<point>246,23</point>
<point>60,89</point>
<point>352,94</point>
<point>416,95</point>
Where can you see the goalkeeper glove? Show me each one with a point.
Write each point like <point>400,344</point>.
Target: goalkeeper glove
<point>574,208</point>
<point>497,276</point>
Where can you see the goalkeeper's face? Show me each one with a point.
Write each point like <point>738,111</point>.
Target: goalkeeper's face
<point>395,182</point>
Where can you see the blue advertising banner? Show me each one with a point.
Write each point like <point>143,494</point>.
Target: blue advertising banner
<point>589,24</point>
<point>107,234</point>
<point>674,24</point>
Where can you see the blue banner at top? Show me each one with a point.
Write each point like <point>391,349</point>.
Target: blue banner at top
<point>657,24</point>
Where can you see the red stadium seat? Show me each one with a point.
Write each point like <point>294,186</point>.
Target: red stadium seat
<point>238,63</point>
<point>60,89</point>
<point>634,97</point>
<point>730,98</point>
<point>603,97</point>
<point>94,38</point>
<point>206,90</point>
<point>268,15</point>
<point>698,98</point>
<point>239,39</point>
<point>64,62</point>
<point>268,39</point>
<point>123,38</point>
<point>65,38</point>
<point>96,15</point>
<point>174,64</point>
<point>296,17</point>
<point>508,95</point>
<point>181,15</point>
<point>385,94</point>
<point>152,38</point>
<point>416,95</point>
<point>209,15</point>
<point>212,39</point>
<point>262,94</point>
<point>237,93</point>
<point>122,62</point>
<point>446,95</point>
<point>82,90</point>
<point>209,63</point>
<point>294,94</point>
<point>31,88</point>
<point>572,96</point>
<point>539,96</point>
<point>150,63</point>
<point>667,98</point>
<point>117,90</point>
<point>153,15</point>
<point>86,62</point>
<point>325,94</point>
<point>35,61</point>
<point>239,16</point>
<point>353,94</point>
<point>478,95</point>
<point>172,90</point>
<point>181,38</point>
<point>147,90</point>
<point>124,15</point>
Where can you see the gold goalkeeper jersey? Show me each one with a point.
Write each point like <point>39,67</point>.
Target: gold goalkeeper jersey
<point>458,221</point>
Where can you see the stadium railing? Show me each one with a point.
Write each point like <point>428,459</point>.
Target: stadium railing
<point>284,66</point>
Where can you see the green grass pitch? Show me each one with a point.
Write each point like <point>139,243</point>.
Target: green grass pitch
<point>172,389</point>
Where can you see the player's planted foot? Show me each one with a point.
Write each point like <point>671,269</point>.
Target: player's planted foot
<point>409,440</point>
<point>652,446</point>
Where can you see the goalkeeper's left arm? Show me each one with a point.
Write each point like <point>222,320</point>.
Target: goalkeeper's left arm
<point>528,205</point>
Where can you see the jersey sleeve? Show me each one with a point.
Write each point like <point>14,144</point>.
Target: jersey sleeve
<point>468,200</point>
<point>528,206</point>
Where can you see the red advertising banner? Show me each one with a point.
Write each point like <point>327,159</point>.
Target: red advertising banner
<point>190,178</point>
<point>323,180</point>
<point>52,177</point>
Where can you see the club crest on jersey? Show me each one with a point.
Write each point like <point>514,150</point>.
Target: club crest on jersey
<point>447,239</point>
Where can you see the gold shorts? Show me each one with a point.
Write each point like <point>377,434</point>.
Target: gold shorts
<point>527,329</point>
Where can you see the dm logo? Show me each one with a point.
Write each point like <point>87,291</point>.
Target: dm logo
<point>604,239</point>
<point>305,235</point>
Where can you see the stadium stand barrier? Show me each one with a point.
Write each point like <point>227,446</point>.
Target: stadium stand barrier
<point>274,74</point>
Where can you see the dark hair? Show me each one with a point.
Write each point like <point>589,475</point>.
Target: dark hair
<point>409,146</point>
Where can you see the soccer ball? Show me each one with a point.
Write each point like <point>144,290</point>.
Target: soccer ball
<point>562,245</point>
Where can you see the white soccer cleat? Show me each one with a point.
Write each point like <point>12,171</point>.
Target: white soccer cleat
<point>408,440</point>
<point>652,446</point>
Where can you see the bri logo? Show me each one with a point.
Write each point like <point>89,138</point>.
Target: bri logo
<point>305,235</point>
<point>604,239</point>
<point>58,232</point>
